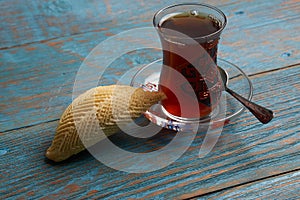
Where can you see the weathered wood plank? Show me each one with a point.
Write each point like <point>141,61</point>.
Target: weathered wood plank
<point>285,186</point>
<point>31,21</point>
<point>247,151</point>
<point>38,78</point>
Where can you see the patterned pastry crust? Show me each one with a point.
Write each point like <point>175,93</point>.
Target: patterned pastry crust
<point>101,108</point>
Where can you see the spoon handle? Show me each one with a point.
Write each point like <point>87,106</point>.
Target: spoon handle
<point>264,115</point>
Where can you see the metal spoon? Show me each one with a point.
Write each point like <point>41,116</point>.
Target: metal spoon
<point>264,115</point>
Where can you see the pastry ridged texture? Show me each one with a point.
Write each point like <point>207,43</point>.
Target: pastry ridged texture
<point>97,111</point>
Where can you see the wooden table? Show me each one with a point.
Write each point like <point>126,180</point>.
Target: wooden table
<point>42,45</point>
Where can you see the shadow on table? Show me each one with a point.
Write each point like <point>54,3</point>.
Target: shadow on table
<point>161,139</point>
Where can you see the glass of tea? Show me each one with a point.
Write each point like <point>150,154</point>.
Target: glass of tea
<point>189,35</point>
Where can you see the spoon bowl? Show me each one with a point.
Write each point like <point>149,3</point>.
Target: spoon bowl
<point>263,114</point>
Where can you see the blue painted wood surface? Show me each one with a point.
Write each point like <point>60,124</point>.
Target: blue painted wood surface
<point>36,66</point>
<point>278,187</point>
<point>43,43</point>
<point>29,21</point>
<point>57,61</point>
<point>246,151</point>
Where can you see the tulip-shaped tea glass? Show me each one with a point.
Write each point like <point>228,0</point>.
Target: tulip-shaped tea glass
<point>189,35</point>
<point>188,72</point>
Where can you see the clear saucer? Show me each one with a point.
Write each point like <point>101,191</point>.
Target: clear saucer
<point>147,77</point>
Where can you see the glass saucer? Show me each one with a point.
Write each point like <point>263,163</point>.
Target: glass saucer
<point>147,77</point>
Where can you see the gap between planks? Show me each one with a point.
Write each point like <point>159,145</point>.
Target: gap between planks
<point>251,75</point>
<point>245,183</point>
<point>274,70</point>
<point>50,39</point>
<point>100,29</point>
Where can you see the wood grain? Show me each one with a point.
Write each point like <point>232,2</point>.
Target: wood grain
<point>39,77</point>
<point>32,21</point>
<point>43,43</point>
<point>247,151</point>
<point>280,187</point>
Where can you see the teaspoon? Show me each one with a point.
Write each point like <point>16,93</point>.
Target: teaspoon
<point>264,115</point>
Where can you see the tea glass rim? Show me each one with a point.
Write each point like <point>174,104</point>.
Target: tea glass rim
<point>206,37</point>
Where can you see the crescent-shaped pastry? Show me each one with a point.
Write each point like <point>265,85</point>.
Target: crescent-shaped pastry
<point>101,108</point>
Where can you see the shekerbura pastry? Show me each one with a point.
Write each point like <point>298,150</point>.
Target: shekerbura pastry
<point>101,108</point>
